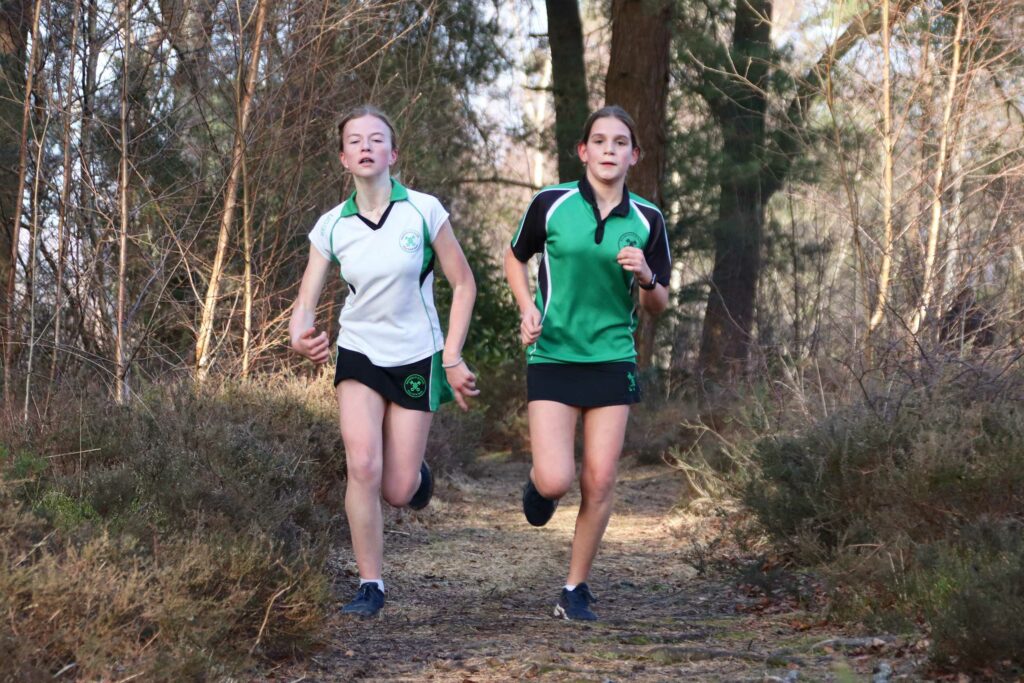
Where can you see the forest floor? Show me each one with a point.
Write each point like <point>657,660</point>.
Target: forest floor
<point>471,591</point>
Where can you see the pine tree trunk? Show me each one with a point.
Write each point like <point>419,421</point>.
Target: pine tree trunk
<point>739,231</point>
<point>637,80</point>
<point>21,152</point>
<point>14,25</point>
<point>569,83</point>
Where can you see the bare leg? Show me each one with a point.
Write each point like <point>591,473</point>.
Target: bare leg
<point>603,432</point>
<point>405,440</point>
<point>362,416</point>
<point>552,432</point>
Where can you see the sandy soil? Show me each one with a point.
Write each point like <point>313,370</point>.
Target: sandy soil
<point>471,591</point>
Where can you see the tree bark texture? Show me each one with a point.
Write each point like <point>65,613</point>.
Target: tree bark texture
<point>244,101</point>
<point>637,80</point>
<point>14,25</point>
<point>739,230</point>
<point>569,83</point>
<point>756,164</point>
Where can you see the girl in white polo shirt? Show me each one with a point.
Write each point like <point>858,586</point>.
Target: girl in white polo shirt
<point>394,365</point>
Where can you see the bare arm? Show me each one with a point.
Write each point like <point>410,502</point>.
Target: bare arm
<point>456,270</point>
<point>302,326</point>
<point>518,276</point>
<point>654,300</point>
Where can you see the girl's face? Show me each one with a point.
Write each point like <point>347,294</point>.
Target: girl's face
<point>609,152</point>
<point>367,149</point>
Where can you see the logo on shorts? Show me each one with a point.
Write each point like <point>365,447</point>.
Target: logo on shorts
<point>629,239</point>
<point>631,378</point>
<point>410,241</point>
<point>415,385</point>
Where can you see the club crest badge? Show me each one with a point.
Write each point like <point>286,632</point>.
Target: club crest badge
<point>415,385</point>
<point>410,241</point>
<point>629,239</point>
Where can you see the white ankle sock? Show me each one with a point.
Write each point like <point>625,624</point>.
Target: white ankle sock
<point>379,582</point>
<point>570,587</point>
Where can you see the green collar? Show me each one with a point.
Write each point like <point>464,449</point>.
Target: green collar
<point>398,194</point>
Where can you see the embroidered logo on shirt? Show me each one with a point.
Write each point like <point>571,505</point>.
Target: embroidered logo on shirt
<point>629,239</point>
<point>415,385</point>
<point>410,241</point>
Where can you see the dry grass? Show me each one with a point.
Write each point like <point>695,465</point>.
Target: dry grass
<point>179,537</point>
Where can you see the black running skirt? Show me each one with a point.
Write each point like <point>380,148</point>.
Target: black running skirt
<point>421,385</point>
<point>585,385</point>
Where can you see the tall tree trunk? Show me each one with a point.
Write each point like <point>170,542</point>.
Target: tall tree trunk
<point>121,376</point>
<point>65,195</point>
<point>13,27</point>
<point>882,294</point>
<point>946,138</point>
<point>569,82</point>
<point>244,102</point>
<point>30,271</point>
<point>756,165</point>
<point>637,79</point>
<point>247,275</point>
<point>739,230</point>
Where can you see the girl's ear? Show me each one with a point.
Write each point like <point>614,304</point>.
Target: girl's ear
<point>581,150</point>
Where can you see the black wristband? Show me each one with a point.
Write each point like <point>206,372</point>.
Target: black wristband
<point>652,284</point>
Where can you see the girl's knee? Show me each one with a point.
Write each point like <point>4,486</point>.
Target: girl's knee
<point>364,470</point>
<point>398,493</point>
<point>552,486</point>
<point>598,489</point>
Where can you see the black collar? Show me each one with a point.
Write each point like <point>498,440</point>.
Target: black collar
<point>587,190</point>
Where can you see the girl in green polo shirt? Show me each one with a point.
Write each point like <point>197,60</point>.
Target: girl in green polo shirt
<point>597,242</point>
<point>394,365</point>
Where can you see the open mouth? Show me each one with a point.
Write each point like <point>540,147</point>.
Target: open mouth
<point>366,161</point>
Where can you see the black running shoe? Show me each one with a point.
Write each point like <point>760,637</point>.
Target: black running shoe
<point>537,508</point>
<point>574,605</point>
<point>425,492</point>
<point>368,601</point>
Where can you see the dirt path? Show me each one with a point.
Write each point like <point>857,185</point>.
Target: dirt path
<point>471,588</point>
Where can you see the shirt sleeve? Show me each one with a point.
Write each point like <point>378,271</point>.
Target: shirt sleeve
<point>656,251</point>
<point>320,237</point>
<point>532,233</point>
<point>436,216</point>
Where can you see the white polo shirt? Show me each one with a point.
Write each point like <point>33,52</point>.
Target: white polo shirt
<point>389,313</point>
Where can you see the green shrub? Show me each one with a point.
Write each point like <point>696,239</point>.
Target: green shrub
<point>175,538</point>
<point>912,501</point>
<point>972,592</point>
<point>921,469</point>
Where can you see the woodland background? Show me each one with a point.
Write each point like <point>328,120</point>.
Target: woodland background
<point>842,182</point>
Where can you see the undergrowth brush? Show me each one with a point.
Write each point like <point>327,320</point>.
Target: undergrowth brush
<point>180,537</point>
<point>912,501</point>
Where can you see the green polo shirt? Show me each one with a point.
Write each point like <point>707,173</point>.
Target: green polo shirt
<point>584,295</point>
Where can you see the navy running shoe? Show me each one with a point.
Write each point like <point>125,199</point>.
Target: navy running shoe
<point>425,492</point>
<point>368,601</point>
<point>574,605</point>
<point>537,508</point>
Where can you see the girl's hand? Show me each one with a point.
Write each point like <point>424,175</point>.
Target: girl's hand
<point>530,327</point>
<point>313,346</point>
<point>463,383</point>
<point>632,259</point>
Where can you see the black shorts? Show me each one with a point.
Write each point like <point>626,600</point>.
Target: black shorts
<point>585,385</point>
<point>421,385</point>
